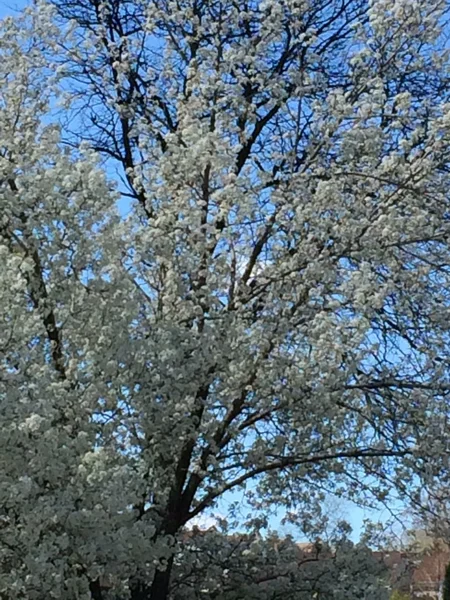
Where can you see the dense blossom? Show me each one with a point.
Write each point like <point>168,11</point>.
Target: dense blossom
<point>261,304</point>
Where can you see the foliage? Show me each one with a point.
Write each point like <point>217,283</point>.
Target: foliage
<point>263,304</point>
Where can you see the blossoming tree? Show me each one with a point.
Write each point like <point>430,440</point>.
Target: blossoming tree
<point>267,310</point>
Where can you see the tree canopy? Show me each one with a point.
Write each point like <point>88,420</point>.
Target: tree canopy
<point>224,265</point>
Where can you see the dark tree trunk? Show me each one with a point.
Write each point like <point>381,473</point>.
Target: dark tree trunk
<point>161,583</point>
<point>96,590</point>
<point>158,590</point>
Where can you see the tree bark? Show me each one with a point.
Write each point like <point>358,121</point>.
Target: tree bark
<point>158,590</point>
<point>161,583</point>
<point>96,590</point>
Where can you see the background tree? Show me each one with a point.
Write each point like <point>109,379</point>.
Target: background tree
<point>231,567</point>
<point>270,315</point>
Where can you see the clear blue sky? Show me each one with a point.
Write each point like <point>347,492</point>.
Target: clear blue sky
<point>10,7</point>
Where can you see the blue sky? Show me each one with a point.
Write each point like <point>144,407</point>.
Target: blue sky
<point>10,7</point>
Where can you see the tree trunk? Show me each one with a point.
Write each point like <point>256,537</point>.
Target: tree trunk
<point>96,590</point>
<point>161,582</point>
